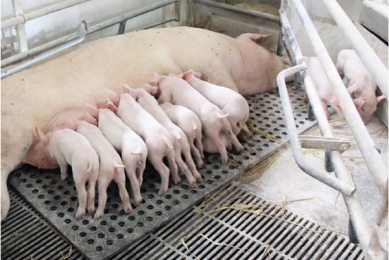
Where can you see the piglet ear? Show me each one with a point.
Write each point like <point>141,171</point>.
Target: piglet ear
<point>90,119</point>
<point>196,74</point>
<point>359,102</point>
<point>42,136</point>
<point>352,89</point>
<point>335,103</point>
<point>92,111</point>
<point>135,93</point>
<point>156,79</point>
<point>222,116</point>
<point>150,89</point>
<point>380,98</point>
<point>113,97</point>
<point>110,105</point>
<point>174,75</point>
<point>187,76</point>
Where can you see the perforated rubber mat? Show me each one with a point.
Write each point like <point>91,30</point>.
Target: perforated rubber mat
<point>57,200</point>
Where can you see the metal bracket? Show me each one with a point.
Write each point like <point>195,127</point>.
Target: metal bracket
<point>321,142</point>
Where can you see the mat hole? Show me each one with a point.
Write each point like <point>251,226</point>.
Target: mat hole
<point>115,206</point>
<point>103,223</point>
<point>85,222</point>
<point>184,186</point>
<point>151,196</point>
<point>176,192</point>
<point>159,213</point>
<point>35,191</point>
<point>67,221</point>
<point>53,182</point>
<point>75,227</point>
<point>168,196</point>
<point>193,191</point>
<point>111,229</point>
<point>106,211</point>
<point>150,207</point>
<point>73,198</point>
<point>38,181</point>
<point>168,208</point>
<point>130,230</point>
<point>47,202</point>
<point>140,224</point>
<point>99,248</point>
<point>121,224</point>
<point>82,234</point>
<point>131,218</point>
<point>90,241</point>
<point>41,196</point>
<point>141,212</point>
<point>120,236</point>
<point>114,217</point>
<point>64,203</point>
<point>71,209</point>
<point>93,228</point>
<point>61,215</point>
<point>203,187</point>
<point>185,197</point>
<point>149,219</point>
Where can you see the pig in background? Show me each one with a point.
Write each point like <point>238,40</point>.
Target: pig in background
<point>43,93</point>
<point>178,137</point>
<point>125,141</point>
<point>155,136</point>
<point>111,167</point>
<point>361,84</point>
<point>69,147</point>
<point>213,120</point>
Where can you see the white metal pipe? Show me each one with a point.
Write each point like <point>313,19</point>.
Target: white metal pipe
<point>90,30</point>
<point>362,228</point>
<point>371,60</point>
<point>23,18</point>
<point>374,162</point>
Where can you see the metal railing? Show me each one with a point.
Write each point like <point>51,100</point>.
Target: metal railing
<point>359,229</point>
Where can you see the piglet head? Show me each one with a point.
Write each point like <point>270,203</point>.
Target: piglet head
<point>156,79</point>
<point>366,106</point>
<point>93,114</point>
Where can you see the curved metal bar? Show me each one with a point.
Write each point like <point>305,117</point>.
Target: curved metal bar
<point>320,175</point>
<point>10,71</point>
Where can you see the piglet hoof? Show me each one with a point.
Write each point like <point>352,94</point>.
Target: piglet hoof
<point>98,214</point>
<point>177,180</point>
<point>198,179</point>
<point>80,213</point>
<point>224,160</point>
<point>91,209</point>
<point>128,208</point>
<point>64,176</point>
<point>200,164</point>
<point>137,201</point>
<point>161,192</point>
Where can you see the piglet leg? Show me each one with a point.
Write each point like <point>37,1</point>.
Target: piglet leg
<point>91,196</point>
<point>171,158</point>
<point>184,168</point>
<point>220,146</point>
<point>191,165</point>
<point>102,187</point>
<point>135,185</point>
<point>82,196</point>
<point>163,171</point>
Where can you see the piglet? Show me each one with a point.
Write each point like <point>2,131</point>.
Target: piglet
<point>156,137</point>
<point>125,141</point>
<point>322,85</point>
<point>190,123</point>
<point>232,103</point>
<point>178,137</point>
<point>213,120</point>
<point>69,147</point>
<point>361,84</point>
<point>111,166</point>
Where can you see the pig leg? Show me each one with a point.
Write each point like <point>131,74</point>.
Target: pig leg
<point>184,168</point>
<point>171,158</point>
<point>199,146</point>
<point>5,203</point>
<point>233,139</point>
<point>120,180</point>
<point>91,196</point>
<point>220,147</point>
<point>82,196</point>
<point>163,171</point>
<point>135,185</point>
<point>102,187</point>
<point>196,155</point>
<point>191,165</point>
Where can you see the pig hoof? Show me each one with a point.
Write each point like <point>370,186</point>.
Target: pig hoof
<point>98,215</point>
<point>177,180</point>
<point>128,209</point>
<point>199,179</point>
<point>161,192</point>
<point>91,210</point>
<point>80,214</point>
<point>200,165</point>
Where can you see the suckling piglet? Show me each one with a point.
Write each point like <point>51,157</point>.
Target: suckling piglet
<point>69,147</point>
<point>190,123</point>
<point>229,101</point>
<point>213,120</point>
<point>125,141</point>
<point>178,137</point>
<point>361,84</point>
<point>111,166</point>
<point>156,137</point>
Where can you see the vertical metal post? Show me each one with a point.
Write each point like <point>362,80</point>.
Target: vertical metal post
<point>20,28</point>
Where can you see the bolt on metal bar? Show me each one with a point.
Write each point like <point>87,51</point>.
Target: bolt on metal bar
<point>19,67</point>
<point>320,175</point>
<point>371,60</point>
<point>23,18</point>
<point>91,29</point>
<point>374,162</point>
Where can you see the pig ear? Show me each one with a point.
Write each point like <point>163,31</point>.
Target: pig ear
<point>352,89</point>
<point>111,106</point>
<point>258,38</point>
<point>335,103</point>
<point>42,136</point>
<point>113,97</point>
<point>150,89</point>
<point>90,119</point>
<point>196,74</point>
<point>222,116</point>
<point>359,103</point>
<point>135,93</point>
<point>380,98</point>
<point>174,75</point>
<point>156,79</point>
<point>92,111</point>
<point>187,75</point>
